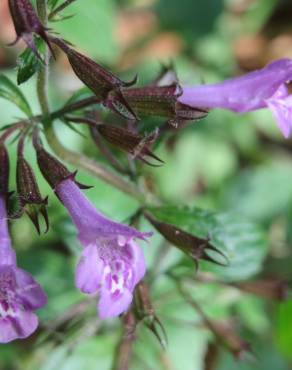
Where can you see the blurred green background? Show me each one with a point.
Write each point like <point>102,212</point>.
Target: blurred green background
<point>225,163</point>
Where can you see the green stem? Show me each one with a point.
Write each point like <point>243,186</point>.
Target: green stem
<point>42,93</point>
<point>43,75</point>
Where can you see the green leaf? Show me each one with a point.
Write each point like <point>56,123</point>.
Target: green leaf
<point>28,64</point>
<point>9,91</point>
<point>241,241</point>
<point>260,193</point>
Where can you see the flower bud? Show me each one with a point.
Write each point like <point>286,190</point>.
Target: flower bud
<point>162,101</point>
<point>4,169</point>
<point>29,194</point>
<point>146,313</point>
<point>104,84</point>
<point>191,245</point>
<point>27,23</point>
<point>51,168</point>
<point>134,144</point>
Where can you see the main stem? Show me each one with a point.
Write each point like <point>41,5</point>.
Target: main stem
<point>75,159</point>
<point>43,75</point>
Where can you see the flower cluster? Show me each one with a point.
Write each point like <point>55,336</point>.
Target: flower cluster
<point>112,263</point>
<point>166,97</point>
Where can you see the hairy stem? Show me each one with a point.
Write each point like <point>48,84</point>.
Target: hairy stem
<point>43,75</point>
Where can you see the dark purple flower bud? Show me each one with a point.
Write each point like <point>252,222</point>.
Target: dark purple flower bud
<point>274,289</point>
<point>191,245</point>
<point>51,168</point>
<point>162,101</point>
<point>27,23</point>
<point>145,313</point>
<point>104,84</point>
<point>30,198</point>
<point>134,144</point>
<point>4,169</point>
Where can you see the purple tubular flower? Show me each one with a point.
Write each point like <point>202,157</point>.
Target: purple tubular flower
<point>259,89</point>
<point>111,263</point>
<point>20,294</point>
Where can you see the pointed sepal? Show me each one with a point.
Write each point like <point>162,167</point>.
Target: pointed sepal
<point>104,84</point>
<point>193,246</point>
<point>134,144</point>
<point>27,24</point>
<point>145,313</point>
<point>30,199</point>
<point>51,168</point>
<point>162,101</point>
